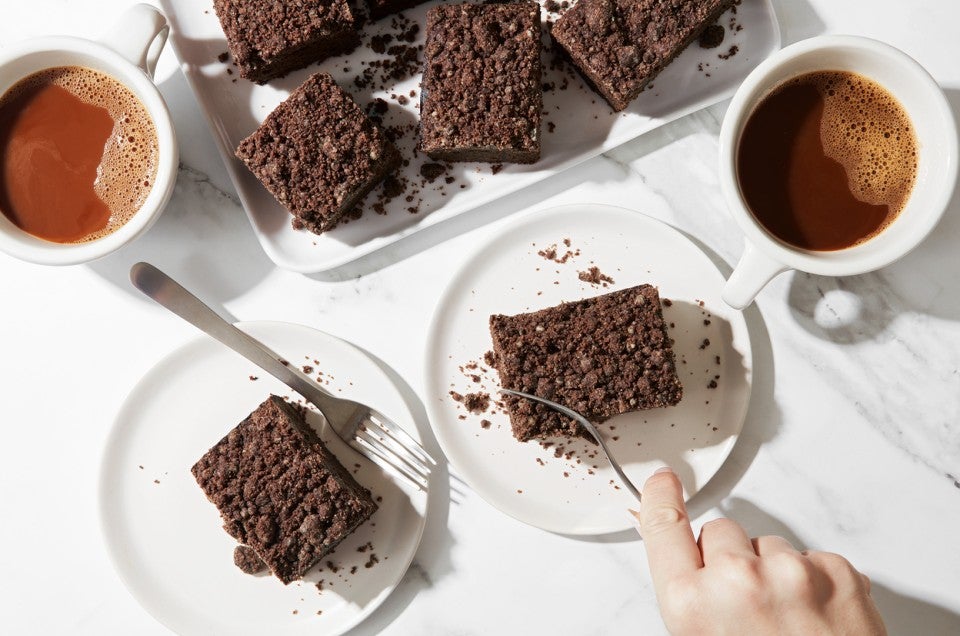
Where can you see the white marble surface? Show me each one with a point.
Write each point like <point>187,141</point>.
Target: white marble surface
<point>852,441</point>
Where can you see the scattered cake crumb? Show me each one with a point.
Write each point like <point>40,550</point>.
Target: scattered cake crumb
<point>246,558</point>
<point>711,37</point>
<point>476,402</point>
<point>594,276</point>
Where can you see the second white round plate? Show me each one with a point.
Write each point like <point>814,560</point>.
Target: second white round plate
<point>167,541</point>
<point>541,260</point>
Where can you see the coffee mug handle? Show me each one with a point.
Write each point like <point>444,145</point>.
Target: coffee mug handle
<point>751,274</point>
<point>139,35</point>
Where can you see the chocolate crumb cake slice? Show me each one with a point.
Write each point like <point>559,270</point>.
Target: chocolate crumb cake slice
<point>268,39</point>
<point>620,45</point>
<point>280,491</point>
<point>319,154</point>
<point>599,356</point>
<point>481,97</point>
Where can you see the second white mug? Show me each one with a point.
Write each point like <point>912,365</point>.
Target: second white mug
<point>765,256</point>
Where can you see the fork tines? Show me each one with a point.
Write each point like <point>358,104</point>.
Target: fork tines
<point>391,448</point>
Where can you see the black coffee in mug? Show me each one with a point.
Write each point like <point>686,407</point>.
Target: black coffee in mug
<point>827,160</point>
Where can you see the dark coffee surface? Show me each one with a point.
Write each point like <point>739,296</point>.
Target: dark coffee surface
<point>827,161</point>
<point>78,154</point>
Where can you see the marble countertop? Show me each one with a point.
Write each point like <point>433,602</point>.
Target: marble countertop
<point>851,443</point>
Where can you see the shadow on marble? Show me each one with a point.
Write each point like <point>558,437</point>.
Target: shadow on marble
<point>903,614</point>
<point>458,489</point>
<point>909,615</point>
<point>202,239</point>
<point>852,309</point>
<point>432,561</point>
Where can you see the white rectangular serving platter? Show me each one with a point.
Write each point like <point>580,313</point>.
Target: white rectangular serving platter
<point>582,124</point>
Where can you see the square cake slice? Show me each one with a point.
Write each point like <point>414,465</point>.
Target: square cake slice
<point>319,154</point>
<point>620,45</point>
<point>599,356</point>
<point>280,491</point>
<point>269,39</point>
<point>481,97</point>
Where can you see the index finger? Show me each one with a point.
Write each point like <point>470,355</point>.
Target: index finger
<point>671,549</point>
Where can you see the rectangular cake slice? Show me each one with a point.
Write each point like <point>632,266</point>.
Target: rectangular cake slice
<point>482,97</point>
<point>319,154</point>
<point>269,39</point>
<point>620,45</point>
<point>600,356</point>
<point>280,491</point>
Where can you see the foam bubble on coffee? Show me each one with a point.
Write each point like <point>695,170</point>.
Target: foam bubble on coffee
<point>128,168</point>
<point>868,131</point>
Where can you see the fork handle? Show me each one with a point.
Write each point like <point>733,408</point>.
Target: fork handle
<point>169,293</point>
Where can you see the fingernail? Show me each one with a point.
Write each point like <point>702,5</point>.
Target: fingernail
<point>665,469</point>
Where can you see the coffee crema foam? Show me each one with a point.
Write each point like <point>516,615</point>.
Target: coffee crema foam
<point>128,168</point>
<point>867,130</point>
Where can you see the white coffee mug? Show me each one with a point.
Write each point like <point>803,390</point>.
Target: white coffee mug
<point>765,256</point>
<point>128,53</point>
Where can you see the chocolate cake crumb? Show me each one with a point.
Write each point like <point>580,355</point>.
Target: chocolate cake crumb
<point>730,53</point>
<point>490,358</point>
<point>712,384</point>
<point>476,402</point>
<point>594,276</point>
<point>552,254</point>
<point>246,558</point>
<point>373,560</point>
<point>307,369</point>
<point>485,423</point>
<point>667,302</point>
<point>223,57</point>
<point>456,396</point>
<point>430,171</point>
<point>712,36</point>
<point>705,343</point>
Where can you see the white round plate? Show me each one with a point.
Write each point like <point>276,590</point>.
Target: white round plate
<point>166,539</point>
<point>578,492</point>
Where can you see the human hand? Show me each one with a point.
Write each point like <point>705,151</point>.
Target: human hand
<point>727,583</point>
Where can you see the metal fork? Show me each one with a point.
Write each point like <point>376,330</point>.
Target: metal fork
<point>585,423</point>
<point>363,428</point>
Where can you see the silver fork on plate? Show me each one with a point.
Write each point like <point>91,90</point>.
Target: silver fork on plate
<point>585,423</point>
<point>365,429</point>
